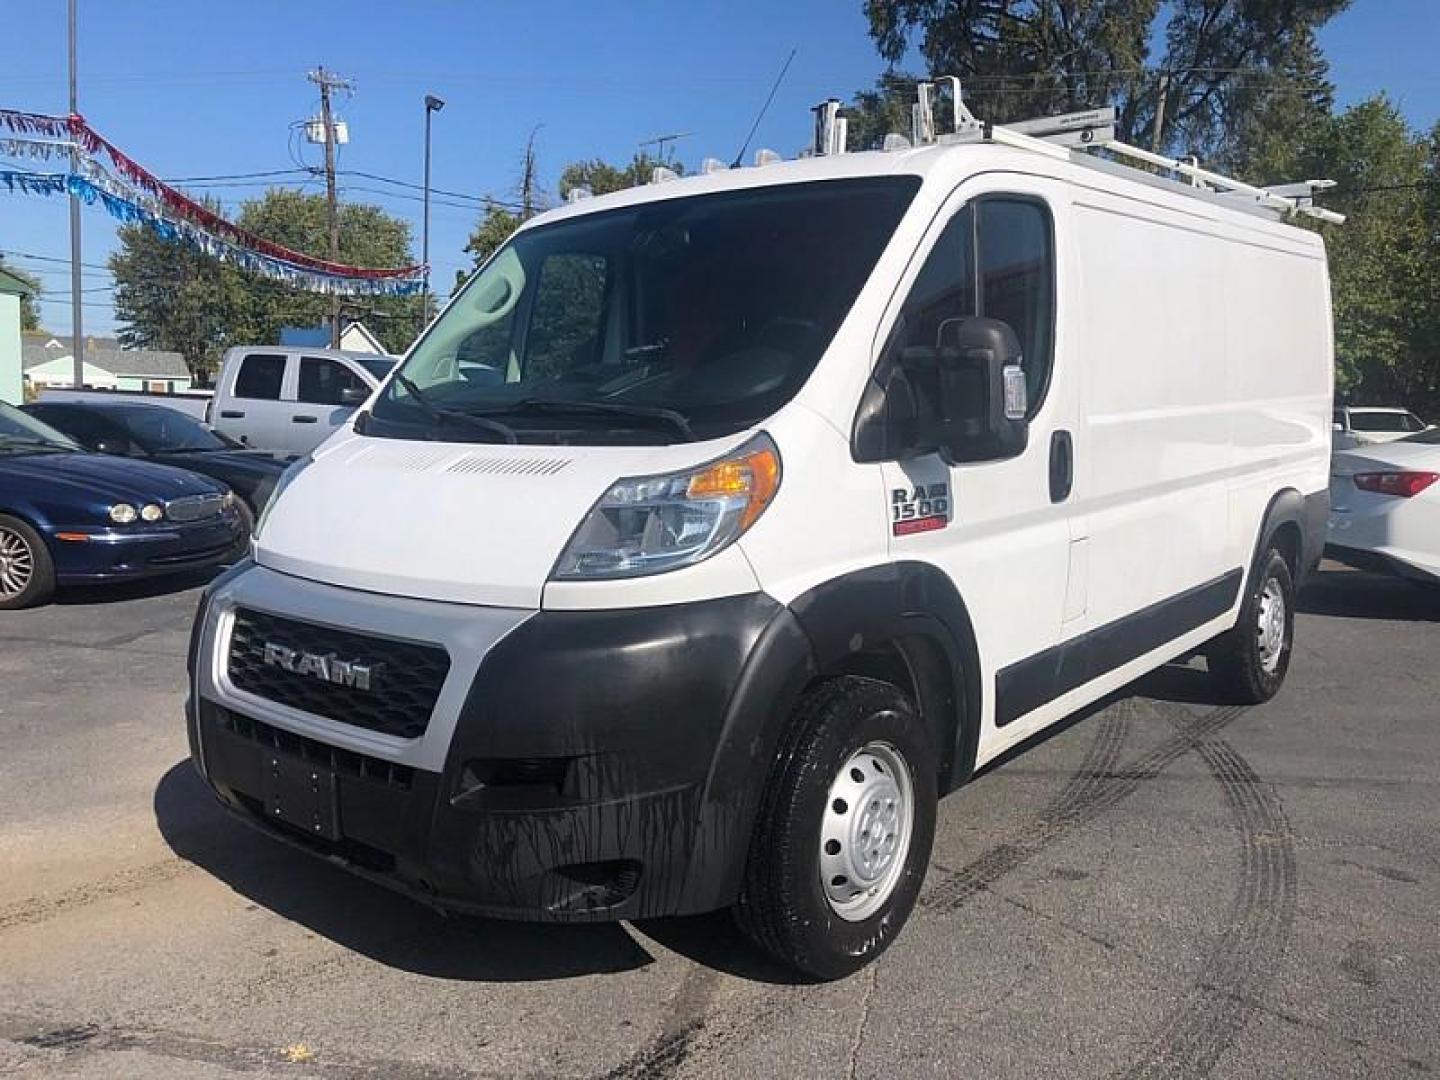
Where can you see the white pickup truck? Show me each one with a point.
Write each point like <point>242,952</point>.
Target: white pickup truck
<point>288,400</point>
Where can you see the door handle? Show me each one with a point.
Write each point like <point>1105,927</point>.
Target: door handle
<point>1062,466</point>
<point>231,414</point>
<point>304,419</point>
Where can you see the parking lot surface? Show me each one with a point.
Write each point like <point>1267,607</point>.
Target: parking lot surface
<point>1166,887</point>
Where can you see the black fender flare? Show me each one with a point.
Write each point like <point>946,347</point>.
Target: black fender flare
<point>1308,514</point>
<point>900,604</point>
<point>890,604</point>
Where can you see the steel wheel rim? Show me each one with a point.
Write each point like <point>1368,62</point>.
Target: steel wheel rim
<point>17,564</point>
<point>1270,628</point>
<point>866,830</point>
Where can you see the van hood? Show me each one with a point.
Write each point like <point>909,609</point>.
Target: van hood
<point>463,522</point>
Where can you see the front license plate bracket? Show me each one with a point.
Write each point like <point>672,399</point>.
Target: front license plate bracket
<point>301,795</point>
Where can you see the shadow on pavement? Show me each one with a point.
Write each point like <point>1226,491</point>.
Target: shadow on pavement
<point>121,591</point>
<point>369,919</point>
<point>1356,594</point>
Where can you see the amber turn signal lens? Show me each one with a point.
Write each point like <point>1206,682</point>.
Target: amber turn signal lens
<point>754,477</point>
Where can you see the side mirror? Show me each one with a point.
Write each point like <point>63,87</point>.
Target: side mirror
<point>965,398</point>
<point>353,397</point>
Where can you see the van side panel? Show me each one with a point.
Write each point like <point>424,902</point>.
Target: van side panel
<point>1281,377</point>
<point>1156,447</point>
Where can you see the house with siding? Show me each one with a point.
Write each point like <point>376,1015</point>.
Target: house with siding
<point>48,360</point>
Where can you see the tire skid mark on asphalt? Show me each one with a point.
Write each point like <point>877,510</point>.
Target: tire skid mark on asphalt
<point>675,1046</point>
<point>58,1041</point>
<point>1226,992</point>
<point>685,1021</point>
<point>38,909</point>
<point>1091,788</point>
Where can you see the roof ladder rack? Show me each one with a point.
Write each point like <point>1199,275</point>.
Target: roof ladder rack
<point>1094,129</point>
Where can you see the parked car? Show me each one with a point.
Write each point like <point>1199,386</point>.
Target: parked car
<point>1369,425</point>
<point>288,401</point>
<point>161,434</point>
<point>68,517</point>
<point>717,527</point>
<point>1385,507</point>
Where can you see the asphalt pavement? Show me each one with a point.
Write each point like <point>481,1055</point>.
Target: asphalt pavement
<point>1165,887</point>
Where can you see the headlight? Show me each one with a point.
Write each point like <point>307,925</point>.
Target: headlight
<point>151,512</point>
<point>294,469</point>
<point>651,524</point>
<point>122,513</point>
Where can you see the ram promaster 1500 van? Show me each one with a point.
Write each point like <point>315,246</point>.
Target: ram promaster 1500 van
<point>717,527</point>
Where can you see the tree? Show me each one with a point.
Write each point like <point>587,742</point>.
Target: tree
<point>601,178</point>
<point>494,228</point>
<point>169,295</point>
<point>29,306</point>
<point>1021,58</point>
<point>1383,261</point>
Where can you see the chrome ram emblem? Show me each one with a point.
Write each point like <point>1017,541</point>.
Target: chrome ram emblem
<point>327,667</point>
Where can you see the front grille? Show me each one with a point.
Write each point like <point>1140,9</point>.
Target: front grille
<point>187,558</point>
<point>334,758</point>
<point>405,677</point>
<point>190,508</point>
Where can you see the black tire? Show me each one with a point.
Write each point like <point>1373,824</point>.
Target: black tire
<point>783,906</point>
<point>23,542</point>
<point>247,521</point>
<point>1244,670</point>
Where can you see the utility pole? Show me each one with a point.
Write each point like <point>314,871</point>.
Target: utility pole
<point>76,328</point>
<point>1158,132</point>
<point>432,105</point>
<point>329,82</point>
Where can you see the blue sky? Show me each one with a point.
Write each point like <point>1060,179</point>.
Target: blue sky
<point>193,89</point>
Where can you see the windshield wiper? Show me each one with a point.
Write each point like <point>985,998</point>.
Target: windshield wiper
<point>441,416</point>
<point>654,413</point>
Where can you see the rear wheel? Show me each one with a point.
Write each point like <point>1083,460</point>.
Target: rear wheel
<point>845,829</point>
<point>27,573</point>
<point>1249,661</point>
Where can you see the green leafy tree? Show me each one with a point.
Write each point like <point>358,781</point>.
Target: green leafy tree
<point>1383,264</point>
<point>169,295</point>
<point>29,306</point>
<point>494,228</point>
<point>1022,58</point>
<point>368,237</point>
<point>601,177</point>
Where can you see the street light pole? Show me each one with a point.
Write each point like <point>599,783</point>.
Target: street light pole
<point>432,105</point>
<point>76,329</point>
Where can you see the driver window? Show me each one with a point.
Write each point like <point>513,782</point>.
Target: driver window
<point>994,259</point>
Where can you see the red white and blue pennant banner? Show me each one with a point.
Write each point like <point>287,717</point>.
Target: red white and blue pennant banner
<point>133,194</point>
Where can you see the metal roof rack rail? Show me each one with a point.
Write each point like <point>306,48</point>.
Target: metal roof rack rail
<point>1094,129</point>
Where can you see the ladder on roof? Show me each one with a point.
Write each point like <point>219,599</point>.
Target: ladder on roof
<point>1060,136</point>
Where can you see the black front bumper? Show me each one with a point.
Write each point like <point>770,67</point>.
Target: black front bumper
<point>605,765</point>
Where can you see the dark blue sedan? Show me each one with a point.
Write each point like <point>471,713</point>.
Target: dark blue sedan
<point>68,517</point>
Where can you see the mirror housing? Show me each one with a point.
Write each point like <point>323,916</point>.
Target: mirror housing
<point>964,399</point>
<point>353,397</point>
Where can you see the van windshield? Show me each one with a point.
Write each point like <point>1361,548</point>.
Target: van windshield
<point>680,319</point>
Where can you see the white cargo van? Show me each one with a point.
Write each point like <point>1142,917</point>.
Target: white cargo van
<point>288,401</point>
<point>718,527</point>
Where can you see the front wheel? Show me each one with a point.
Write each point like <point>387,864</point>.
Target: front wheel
<point>1249,662</point>
<point>27,573</point>
<point>845,830</point>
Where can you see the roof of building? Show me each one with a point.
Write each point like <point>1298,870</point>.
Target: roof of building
<point>14,284</point>
<point>132,362</point>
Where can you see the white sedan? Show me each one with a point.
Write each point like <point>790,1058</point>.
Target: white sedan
<point>1385,507</point>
